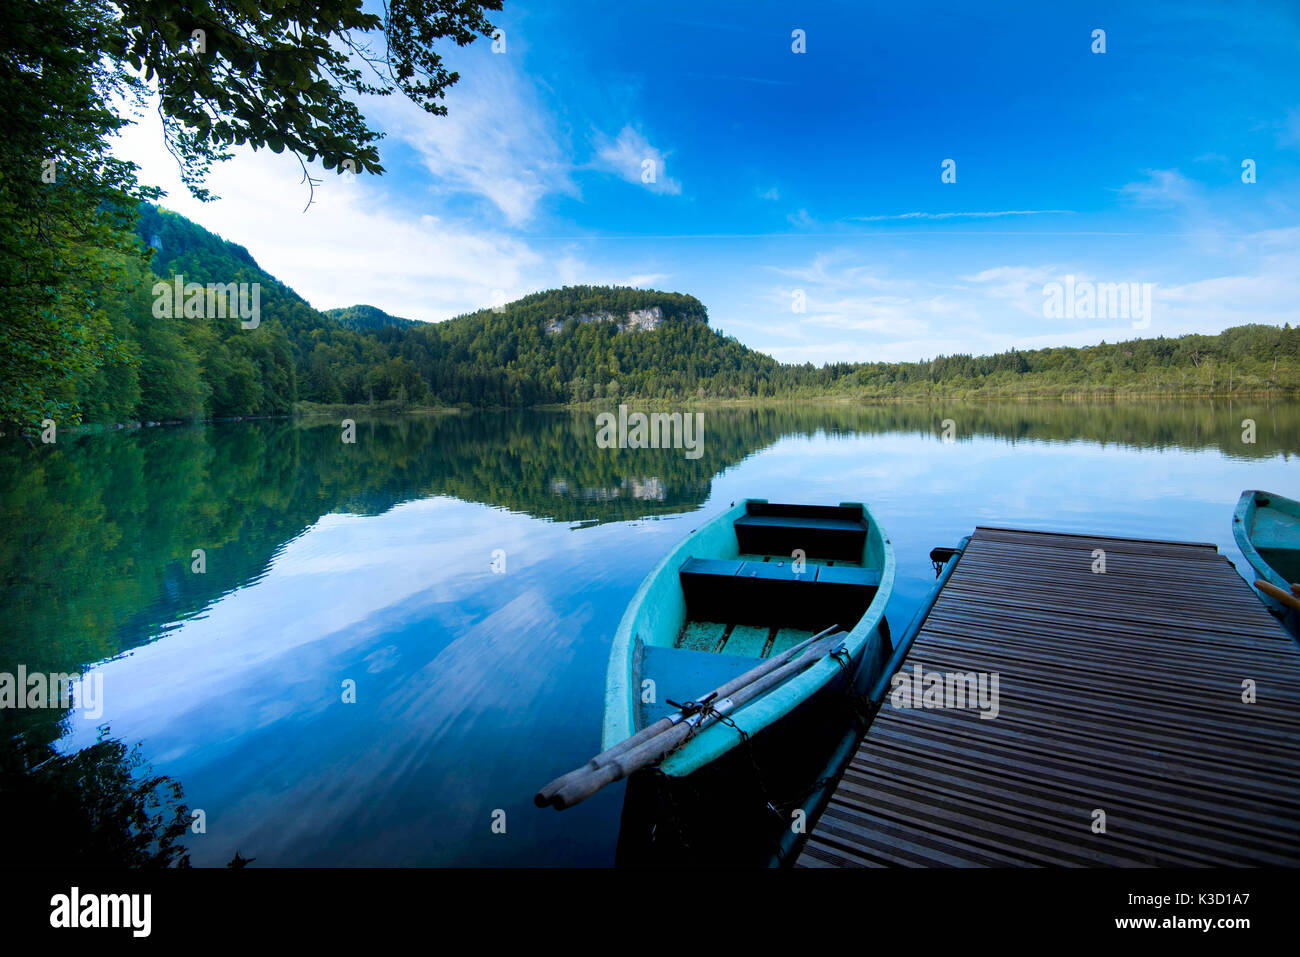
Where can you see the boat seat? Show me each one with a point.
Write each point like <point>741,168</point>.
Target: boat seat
<point>827,532</point>
<point>774,594</point>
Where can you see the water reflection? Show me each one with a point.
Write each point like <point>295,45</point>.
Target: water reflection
<point>372,563</point>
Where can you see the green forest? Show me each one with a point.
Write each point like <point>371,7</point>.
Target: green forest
<point>536,352</point>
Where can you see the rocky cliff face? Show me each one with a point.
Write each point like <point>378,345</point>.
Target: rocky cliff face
<point>638,320</point>
<point>642,320</point>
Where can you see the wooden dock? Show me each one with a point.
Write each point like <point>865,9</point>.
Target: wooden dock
<point>1119,692</point>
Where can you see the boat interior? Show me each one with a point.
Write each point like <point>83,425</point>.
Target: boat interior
<point>761,597</point>
<point>1275,533</point>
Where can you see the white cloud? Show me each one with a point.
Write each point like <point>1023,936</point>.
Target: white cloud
<point>1268,293</point>
<point>641,280</point>
<point>1162,189</point>
<point>973,215</point>
<point>835,269</point>
<point>1019,287</point>
<point>878,314</point>
<point>1290,132</point>
<point>801,219</point>
<point>353,244</point>
<point>883,314</point>
<point>627,156</point>
<point>497,140</point>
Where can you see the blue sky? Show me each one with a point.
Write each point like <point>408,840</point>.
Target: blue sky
<point>780,173</point>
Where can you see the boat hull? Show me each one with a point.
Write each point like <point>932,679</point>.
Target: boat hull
<point>658,613</point>
<point>745,805</point>
<point>1267,530</point>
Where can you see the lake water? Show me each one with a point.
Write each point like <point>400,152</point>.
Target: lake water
<point>373,563</point>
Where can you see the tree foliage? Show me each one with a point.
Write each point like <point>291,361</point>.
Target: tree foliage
<point>276,74</point>
<point>65,203</point>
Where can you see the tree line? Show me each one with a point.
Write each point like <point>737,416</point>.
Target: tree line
<point>547,348</point>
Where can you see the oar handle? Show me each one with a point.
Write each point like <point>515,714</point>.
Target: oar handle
<point>547,794</point>
<point>583,784</point>
<point>1285,597</point>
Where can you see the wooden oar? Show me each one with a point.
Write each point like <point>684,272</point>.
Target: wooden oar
<point>583,786</point>
<point>1295,589</point>
<point>543,797</point>
<point>1286,598</point>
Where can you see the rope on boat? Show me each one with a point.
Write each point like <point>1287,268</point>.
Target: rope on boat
<point>689,708</point>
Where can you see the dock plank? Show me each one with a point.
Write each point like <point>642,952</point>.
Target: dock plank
<point>1119,692</point>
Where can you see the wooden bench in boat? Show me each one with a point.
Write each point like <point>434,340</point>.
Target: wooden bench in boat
<point>820,531</point>
<point>774,594</point>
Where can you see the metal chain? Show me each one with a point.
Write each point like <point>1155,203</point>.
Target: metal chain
<point>860,708</point>
<point>665,787</point>
<point>753,761</point>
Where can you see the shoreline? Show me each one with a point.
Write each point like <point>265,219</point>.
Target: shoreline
<point>976,398</point>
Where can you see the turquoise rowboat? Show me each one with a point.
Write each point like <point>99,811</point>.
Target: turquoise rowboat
<point>751,583</point>
<point>1267,530</point>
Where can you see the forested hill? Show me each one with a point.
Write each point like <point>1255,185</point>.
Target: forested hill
<point>576,344</point>
<point>365,317</point>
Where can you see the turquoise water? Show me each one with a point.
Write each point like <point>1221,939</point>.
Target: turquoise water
<point>466,573</point>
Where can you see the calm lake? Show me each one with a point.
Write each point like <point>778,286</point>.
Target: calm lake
<point>467,572</point>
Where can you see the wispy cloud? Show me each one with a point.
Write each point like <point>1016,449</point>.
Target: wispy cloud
<point>643,280</point>
<point>1290,131</point>
<point>1162,189</point>
<point>355,243</point>
<point>834,269</point>
<point>1017,287</point>
<point>1266,292</point>
<point>972,215</point>
<point>876,312</point>
<point>736,78</point>
<point>497,141</point>
<point>891,315</point>
<point>631,157</point>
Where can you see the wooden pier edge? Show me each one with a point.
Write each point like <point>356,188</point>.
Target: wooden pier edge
<point>1148,714</point>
